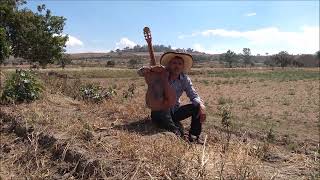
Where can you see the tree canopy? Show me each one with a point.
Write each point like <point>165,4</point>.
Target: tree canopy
<point>34,36</point>
<point>229,57</point>
<point>247,57</point>
<point>282,58</point>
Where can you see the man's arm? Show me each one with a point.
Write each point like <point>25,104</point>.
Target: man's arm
<point>195,98</point>
<point>191,92</point>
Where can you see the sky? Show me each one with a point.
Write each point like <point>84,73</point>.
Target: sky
<point>207,26</point>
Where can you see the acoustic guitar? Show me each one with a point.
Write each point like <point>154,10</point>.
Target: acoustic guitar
<point>160,95</point>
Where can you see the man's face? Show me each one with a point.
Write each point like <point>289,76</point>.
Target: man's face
<point>176,66</point>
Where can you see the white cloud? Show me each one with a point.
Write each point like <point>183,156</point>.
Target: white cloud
<point>200,48</point>
<point>73,41</point>
<point>271,39</point>
<point>251,14</point>
<point>125,42</point>
<point>86,50</point>
<point>189,35</point>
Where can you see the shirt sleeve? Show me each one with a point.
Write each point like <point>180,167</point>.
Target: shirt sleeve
<point>191,92</point>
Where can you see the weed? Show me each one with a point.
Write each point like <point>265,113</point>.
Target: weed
<point>291,91</point>
<point>206,82</point>
<point>248,104</point>
<point>86,132</point>
<point>129,93</point>
<point>95,93</point>
<point>285,101</point>
<point>21,86</point>
<point>222,100</point>
<point>226,123</point>
<point>218,82</point>
<point>267,97</point>
<point>270,135</point>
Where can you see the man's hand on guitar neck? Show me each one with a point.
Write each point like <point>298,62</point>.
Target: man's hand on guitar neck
<point>146,70</point>
<point>157,69</point>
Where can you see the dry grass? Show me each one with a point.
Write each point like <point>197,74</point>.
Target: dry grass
<point>119,134</point>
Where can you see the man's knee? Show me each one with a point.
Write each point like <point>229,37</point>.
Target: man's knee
<point>163,119</point>
<point>195,109</point>
<point>160,115</point>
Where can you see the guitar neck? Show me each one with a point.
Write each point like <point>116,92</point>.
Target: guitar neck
<point>151,53</point>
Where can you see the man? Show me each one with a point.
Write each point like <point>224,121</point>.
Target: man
<point>176,64</point>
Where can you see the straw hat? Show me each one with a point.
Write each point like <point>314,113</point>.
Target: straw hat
<point>168,56</point>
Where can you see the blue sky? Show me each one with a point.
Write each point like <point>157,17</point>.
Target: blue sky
<point>209,26</point>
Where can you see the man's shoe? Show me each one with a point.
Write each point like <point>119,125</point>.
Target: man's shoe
<point>195,139</point>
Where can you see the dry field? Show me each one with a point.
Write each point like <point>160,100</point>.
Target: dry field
<point>273,130</point>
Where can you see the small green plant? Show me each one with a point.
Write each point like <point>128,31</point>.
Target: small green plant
<point>261,150</point>
<point>270,135</point>
<point>95,93</point>
<point>226,124</point>
<point>87,132</point>
<point>291,91</point>
<point>21,86</point>
<point>285,101</point>
<point>206,82</point>
<point>248,104</point>
<point>226,116</point>
<point>130,92</point>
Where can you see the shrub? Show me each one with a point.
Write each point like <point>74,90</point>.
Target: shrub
<point>21,86</point>
<point>133,63</point>
<point>95,93</point>
<point>111,63</point>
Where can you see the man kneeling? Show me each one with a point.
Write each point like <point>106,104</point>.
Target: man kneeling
<point>176,64</point>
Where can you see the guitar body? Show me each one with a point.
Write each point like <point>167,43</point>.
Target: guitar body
<point>160,95</point>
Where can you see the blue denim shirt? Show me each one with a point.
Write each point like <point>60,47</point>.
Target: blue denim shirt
<point>182,84</point>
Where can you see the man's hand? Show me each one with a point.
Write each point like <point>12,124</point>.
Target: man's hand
<point>145,70</point>
<point>157,69</point>
<point>202,113</point>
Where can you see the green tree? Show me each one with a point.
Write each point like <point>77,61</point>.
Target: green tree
<point>4,46</point>
<point>282,58</point>
<point>64,60</point>
<point>36,37</point>
<point>229,57</point>
<point>247,57</point>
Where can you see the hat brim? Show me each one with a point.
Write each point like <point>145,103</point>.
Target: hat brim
<point>168,56</point>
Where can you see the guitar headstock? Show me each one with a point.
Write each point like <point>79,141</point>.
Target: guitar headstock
<point>147,34</point>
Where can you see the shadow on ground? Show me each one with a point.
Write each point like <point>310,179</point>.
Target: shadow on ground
<point>141,126</point>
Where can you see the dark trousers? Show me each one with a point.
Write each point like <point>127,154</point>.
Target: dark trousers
<point>171,121</point>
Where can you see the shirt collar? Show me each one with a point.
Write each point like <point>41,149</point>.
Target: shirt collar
<point>180,76</point>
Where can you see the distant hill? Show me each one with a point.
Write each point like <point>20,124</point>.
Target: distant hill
<point>307,60</point>
<point>140,54</point>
